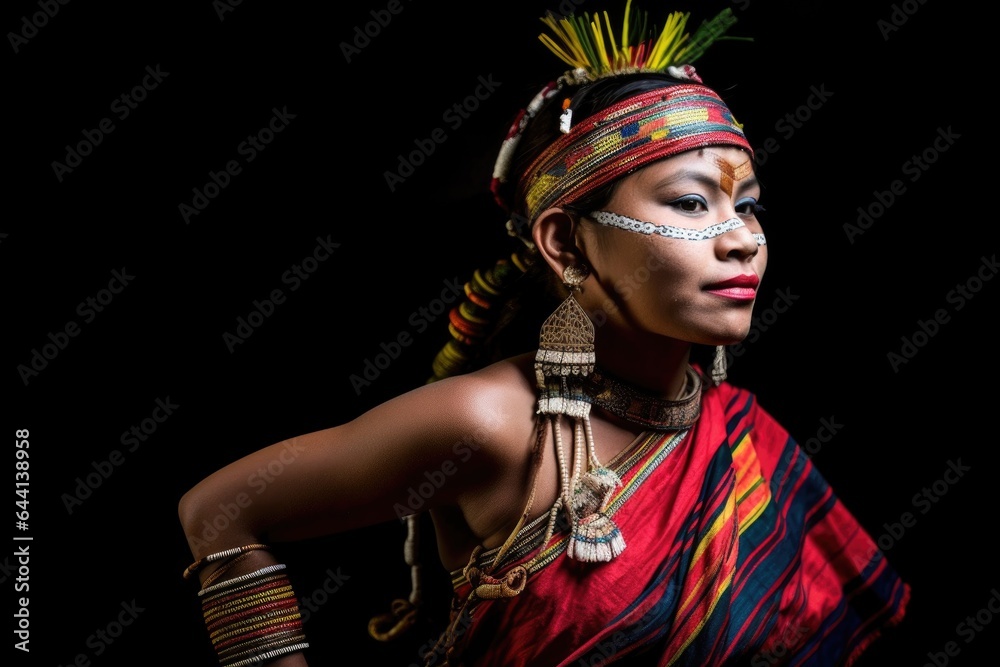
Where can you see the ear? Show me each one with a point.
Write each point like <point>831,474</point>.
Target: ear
<point>555,236</point>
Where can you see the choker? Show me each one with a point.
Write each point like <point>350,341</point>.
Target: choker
<point>640,407</point>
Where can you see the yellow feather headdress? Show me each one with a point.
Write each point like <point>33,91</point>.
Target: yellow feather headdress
<point>589,43</point>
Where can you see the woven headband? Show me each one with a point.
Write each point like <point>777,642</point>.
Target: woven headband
<point>634,132</point>
<point>627,136</point>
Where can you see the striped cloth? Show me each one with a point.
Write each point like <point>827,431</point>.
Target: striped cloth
<point>738,553</point>
<point>618,140</point>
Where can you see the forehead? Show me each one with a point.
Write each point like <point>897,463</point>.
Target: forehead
<point>724,167</point>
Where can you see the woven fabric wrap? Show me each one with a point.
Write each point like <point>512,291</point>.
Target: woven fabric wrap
<point>629,135</point>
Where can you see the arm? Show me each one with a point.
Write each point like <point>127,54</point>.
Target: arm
<point>353,475</point>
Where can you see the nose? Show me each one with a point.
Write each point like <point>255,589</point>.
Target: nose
<point>738,243</point>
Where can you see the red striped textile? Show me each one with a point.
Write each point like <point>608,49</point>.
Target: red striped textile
<point>738,553</point>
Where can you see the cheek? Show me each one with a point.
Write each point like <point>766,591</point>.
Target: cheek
<point>651,267</point>
<point>655,260</point>
<point>620,253</point>
<point>660,276</point>
<point>675,260</point>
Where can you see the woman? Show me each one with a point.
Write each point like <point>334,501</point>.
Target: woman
<point>605,497</point>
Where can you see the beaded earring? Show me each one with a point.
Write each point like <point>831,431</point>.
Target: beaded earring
<point>565,357</point>
<point>719,365</point>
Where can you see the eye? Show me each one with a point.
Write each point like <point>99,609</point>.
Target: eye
<point>748,206</point>
<point>689,204</point>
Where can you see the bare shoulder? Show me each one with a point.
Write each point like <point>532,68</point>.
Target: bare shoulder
<point>365,471</point>
<point>492,407</point>
<point>491,425</point>
<point>497,385</point>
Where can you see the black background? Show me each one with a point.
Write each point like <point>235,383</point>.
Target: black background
<point>890,91</point>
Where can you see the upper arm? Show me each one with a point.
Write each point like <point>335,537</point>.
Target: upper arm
<point>361,472</point>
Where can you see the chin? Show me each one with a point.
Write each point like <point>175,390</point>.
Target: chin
<point>722,341</point>
<point>730,338</point>
<point>716,339</point>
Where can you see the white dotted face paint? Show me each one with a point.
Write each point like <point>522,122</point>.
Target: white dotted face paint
<point>684,233</point>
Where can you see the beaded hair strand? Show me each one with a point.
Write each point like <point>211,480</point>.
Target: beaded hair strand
<point>470,323</point>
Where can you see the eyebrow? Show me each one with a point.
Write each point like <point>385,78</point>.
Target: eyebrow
<point>687,175</point>
<point>745,184</point>
<point>705,179</point>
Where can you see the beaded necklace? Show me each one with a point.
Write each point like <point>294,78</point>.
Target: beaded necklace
<point>643,408</point>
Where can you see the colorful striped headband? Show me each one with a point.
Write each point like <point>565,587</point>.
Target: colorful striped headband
<point>625,137</point>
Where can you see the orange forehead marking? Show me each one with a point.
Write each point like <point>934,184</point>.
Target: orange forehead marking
<point>730,172</point>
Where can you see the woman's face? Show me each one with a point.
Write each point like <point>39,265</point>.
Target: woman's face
<point>700,290</point>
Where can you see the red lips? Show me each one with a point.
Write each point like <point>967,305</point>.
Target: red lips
<point>749,280</point>
<point>741,289</point>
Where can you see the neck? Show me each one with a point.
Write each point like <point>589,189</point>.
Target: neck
<point>660,368</point>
